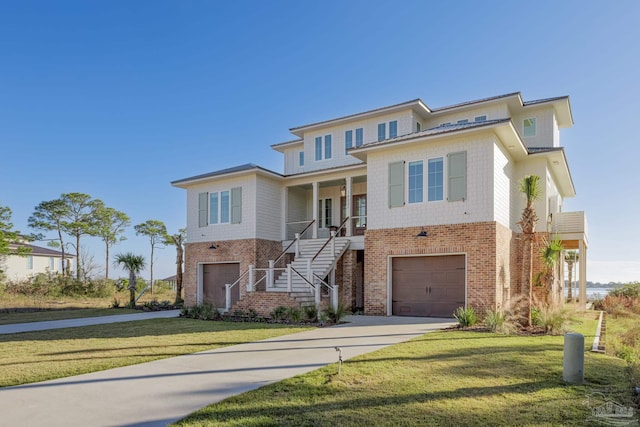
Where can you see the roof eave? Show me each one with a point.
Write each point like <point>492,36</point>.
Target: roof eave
<point>187,182</point>
<point>557,162</point>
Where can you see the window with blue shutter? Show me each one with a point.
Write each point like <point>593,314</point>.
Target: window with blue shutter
<point>318,148</point>
<point>202,209</point>
<point>457,174</point>
<point>327,146</point>
<point>393,129</point>
<point>382,131</point>
<point>359,137</point>
<point>396,184</point>
<point>348,140</point>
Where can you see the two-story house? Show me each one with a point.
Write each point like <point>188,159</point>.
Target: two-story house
<point>401,210</point>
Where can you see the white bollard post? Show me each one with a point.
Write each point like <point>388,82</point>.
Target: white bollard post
<point>317,295</point>
<point>227,296</point>
<point>573,360</point>
<point>252,278</point>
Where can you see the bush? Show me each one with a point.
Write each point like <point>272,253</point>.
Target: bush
<point>630,290</point>
<point>500,322</point>
<point>334,315</point>
<point>204,311</point>
<point>465,316</point>
<point>553,320</point>
<point>294,314</point>
<point>278,313</point>
<point>311,312</point>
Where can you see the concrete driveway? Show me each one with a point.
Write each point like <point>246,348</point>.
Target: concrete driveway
<point>164,391</point>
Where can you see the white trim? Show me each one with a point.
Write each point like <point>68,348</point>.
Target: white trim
<point>390,275</point>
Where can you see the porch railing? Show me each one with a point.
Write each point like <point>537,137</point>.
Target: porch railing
<point>299,227</point>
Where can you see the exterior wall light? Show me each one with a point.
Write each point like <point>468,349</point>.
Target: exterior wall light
<point>422,233</point>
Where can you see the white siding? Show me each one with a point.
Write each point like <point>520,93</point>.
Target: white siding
<point>15,267</point>
<point>213,232</point>
<point>269,218</point>
<point>503,182</point>
<point>477,207</point>
<point>545,123</point>
<point>292,159</point>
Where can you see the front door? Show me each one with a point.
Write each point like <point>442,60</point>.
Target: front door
<point>359,214</point>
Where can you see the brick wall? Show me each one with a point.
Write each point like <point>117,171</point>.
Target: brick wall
<point>245,252</point>
<point>477,240</point>
<point>345,278</point>
<point>264,302</point>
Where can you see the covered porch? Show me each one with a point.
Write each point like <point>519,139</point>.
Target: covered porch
<point>325,202</point>
<point>571,229</point>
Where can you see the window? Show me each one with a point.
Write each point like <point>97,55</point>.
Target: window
<point>418,127</point>
<point>327,146</point>
<point>393,129</point>
<point>359,137</point>
<point>530,127</point>
<point>301,158</point>
<point>416,182</point>
<point>29,262</point>
<point>52,264</point>
<point>325,213</point>
<point>457,176</point>
<point>220,207</point>
<point>318,148</point>
<point>382,131</point>
<point>396,184</point>
<point>463,122</point>
<point>480,119</point>
<point>348,140</point>
<point>435,179</point>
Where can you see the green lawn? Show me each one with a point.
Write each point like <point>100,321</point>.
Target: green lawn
<point>443,378</point>
<point>41,316</point>
<point>37,356</point>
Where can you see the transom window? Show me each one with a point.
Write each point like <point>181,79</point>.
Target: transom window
<point>530,127</point>
<point>416,179</point>
<point>435,179</point>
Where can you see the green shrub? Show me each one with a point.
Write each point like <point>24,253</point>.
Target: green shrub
<point>311,313</point>
<point>278,313</point>
<point>500,322</point>
<point>204,311</point>
<point>252,314</point>
<point>554,320</point>
<point>465,316</point>
<point>334,315</point>
<point>294,314</point>
<point>630,290</point>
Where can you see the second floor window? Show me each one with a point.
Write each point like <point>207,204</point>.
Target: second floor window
<point>348,140</point>
<point>359,137</point>
<point>319,146</point>
<point>436,179</point>
<point>415,182</point>
<point>219,207</point>
<point>382,131</point>
<point>530,127</point>
<point>393,129</point>
<point>301,158</point>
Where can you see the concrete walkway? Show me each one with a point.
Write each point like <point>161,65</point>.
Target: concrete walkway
<point>16,328</point>
<point>164,391</point>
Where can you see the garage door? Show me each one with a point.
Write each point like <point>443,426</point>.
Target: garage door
<point>428,285</point>
<point>215,276</point>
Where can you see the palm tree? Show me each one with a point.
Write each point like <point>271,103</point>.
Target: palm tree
<point>549,255</point>
<point>134,264</point>
<point>529,186</point>
<point>571,258</point>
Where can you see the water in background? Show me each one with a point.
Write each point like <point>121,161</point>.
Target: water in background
<point>592,293</point>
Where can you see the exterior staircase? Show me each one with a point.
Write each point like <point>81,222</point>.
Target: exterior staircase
<point>321,266</point>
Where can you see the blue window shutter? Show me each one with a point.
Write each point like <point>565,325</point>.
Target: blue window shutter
<point>236,205</point>
<point>396,184</point>
<point>348,140</point>
<point>327,146</point>
<point>457,175</point>
<point>359,137</point>
<point>382,131</point>
<point>202,209</point>
<point>318,148</point>
<point>393,129</point>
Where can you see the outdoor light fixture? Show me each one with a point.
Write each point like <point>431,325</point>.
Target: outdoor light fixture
<point>422,233</point>
<point>343,191</point>
<point>213,246</point>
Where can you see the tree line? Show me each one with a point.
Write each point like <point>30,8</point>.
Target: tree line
<point>73,216</point>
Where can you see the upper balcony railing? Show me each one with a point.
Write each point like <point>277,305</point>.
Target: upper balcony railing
<point>569,222</point>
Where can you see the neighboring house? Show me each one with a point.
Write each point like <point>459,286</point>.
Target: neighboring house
<point>428,200</point>
<point>39,260</point>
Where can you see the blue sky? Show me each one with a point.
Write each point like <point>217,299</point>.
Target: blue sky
<point>118,98</point>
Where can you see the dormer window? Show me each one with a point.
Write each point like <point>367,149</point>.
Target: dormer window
<point>529,127</point>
